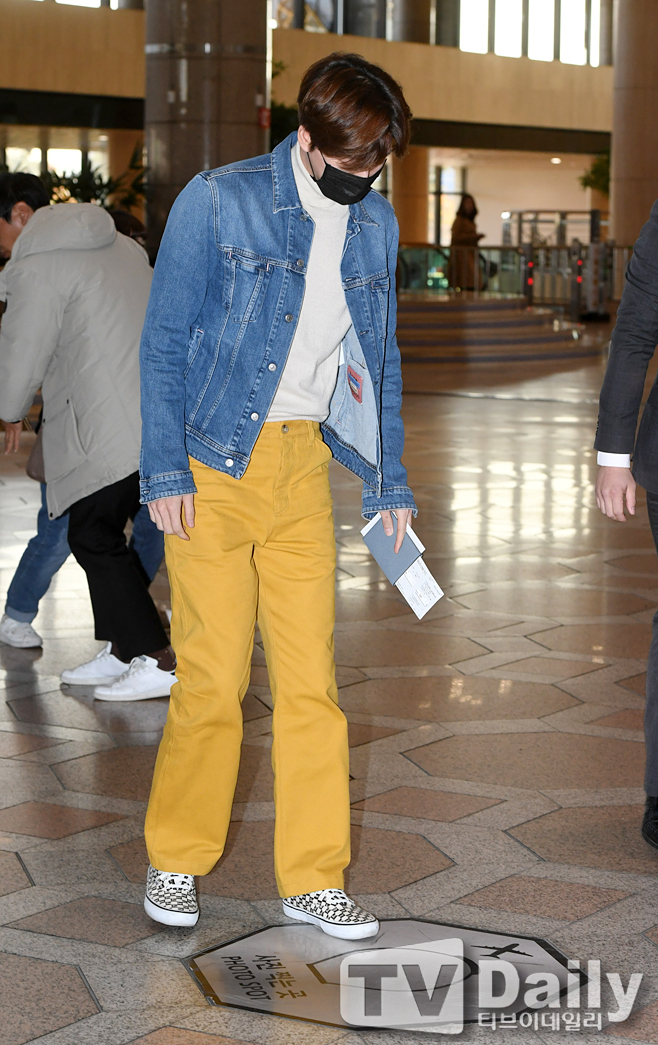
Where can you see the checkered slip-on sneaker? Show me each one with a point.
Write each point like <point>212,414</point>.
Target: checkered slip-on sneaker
<point>171,898</point>
<point>333,912</point>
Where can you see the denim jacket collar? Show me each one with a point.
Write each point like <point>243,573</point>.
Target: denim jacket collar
<point>285,193</point>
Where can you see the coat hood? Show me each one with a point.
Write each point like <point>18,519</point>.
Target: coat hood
<point>75,226</point>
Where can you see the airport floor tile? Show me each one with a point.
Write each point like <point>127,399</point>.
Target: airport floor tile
<point>496,747</point>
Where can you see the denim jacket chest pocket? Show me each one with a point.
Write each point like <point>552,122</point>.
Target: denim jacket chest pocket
<point>245,279</point>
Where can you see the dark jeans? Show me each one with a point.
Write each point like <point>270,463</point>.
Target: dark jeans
<point>40,561</point>
<point>124,612</point>
<point>148,542</point>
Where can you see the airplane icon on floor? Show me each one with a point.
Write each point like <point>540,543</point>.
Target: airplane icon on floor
<point>497,952</point>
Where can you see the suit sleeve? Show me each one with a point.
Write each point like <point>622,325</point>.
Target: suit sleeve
<point>29,334</point>
<point>633,344</point>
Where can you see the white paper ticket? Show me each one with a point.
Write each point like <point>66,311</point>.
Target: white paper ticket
<point>419,588</point>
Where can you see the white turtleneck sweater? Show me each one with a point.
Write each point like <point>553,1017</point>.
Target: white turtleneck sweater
<point>310,373</point>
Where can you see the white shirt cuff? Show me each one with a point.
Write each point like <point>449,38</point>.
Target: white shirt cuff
<point>613,460</point>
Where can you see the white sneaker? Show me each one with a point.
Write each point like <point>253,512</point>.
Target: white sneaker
<point>143,680</point>
<point>18,633</point>
<point>171,898</point>
<point>102,668</point>
<point>333,912</point>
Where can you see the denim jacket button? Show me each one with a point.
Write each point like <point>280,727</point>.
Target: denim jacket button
<point>229,462</point>
<point>272,367</point>
<point>254,416</point>
<point>300,263</point>
<point>289,318</point>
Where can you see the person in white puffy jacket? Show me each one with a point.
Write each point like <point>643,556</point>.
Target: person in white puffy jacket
<point>76,294</point>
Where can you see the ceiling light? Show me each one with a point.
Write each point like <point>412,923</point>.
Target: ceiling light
<point>555,159</point>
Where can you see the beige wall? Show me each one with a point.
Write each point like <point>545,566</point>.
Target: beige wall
<point>444,83</point>
<point>59,47</point>
<point>502,181</point>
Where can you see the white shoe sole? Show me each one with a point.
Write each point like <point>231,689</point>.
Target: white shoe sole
<point>21,645</point>
<point>96,680</point>
<point>344,932</point>
<point>149,694</point>
<point>159,914</point>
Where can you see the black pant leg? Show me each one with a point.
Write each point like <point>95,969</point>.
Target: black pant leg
<point>651,710</point>
<point>124,612</point>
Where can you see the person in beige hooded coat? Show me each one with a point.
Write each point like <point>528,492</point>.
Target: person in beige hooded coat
<point>76,295</point>
<point>76,300</point>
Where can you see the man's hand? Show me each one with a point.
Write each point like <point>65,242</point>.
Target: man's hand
<point>168,514</point>
<point>13,431</point>
<point>403,517</point>
<point>613,486</point>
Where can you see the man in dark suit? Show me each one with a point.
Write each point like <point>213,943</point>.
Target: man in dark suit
<point>634,341</point>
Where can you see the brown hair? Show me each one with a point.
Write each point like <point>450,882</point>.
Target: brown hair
<point>354,111</point>
<point>462,212</point>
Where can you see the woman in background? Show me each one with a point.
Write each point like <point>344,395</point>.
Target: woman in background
<point>463,263</point>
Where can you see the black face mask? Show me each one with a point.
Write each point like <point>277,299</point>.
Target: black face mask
<point>341,186</point>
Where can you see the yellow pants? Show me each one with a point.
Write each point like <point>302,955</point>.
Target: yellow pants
<point>262,547</point>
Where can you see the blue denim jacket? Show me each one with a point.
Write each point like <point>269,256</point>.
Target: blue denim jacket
<point>227,291</point>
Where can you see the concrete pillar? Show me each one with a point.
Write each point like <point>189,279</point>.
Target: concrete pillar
<point>298,14</point>
<point>411,21</point>
<point>605,37</point>
<point>44,145</point>
<point>365,18</point>
<point>447,23</point>
<point>208,72</point>
<point>634,186</point>
<point>598,200</point>
<point>411,194</point>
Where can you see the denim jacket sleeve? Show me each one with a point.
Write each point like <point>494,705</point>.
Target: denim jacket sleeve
<point>395,492</point>
<point>186,261</point>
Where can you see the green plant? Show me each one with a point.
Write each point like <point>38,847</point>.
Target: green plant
<point>598,175</point>
<point>89,185</point>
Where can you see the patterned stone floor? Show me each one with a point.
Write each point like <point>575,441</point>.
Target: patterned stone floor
<point>496,747</point>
